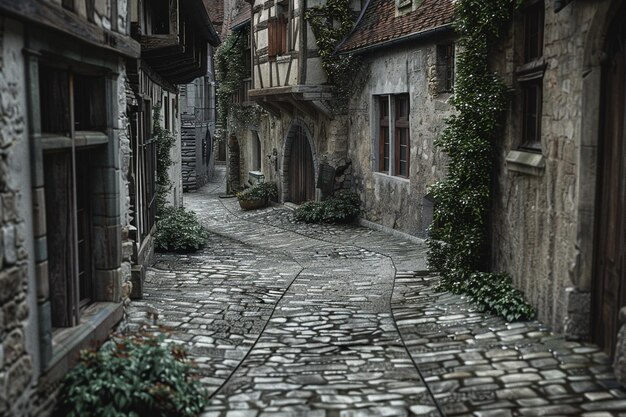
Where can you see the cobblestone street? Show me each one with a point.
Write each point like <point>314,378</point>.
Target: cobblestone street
<point>294,320</point>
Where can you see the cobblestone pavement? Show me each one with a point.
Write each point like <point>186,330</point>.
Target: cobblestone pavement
<point>291,320</point>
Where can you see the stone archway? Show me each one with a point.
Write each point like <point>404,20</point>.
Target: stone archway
<point>583,269</point>
<point>234,164</point>
<point>299,166</point>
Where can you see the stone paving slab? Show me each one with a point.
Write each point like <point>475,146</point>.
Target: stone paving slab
<point>215,302</point>
<point>304,320</point>
<point>477,364</point>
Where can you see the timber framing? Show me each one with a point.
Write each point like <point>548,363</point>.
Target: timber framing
<point>307,99</point>
<point>54,17</point>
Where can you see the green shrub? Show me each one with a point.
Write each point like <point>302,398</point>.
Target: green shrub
<point>493,293</point>
<point>259,191</point>
<point>340,208</point>
<point>178,230</point>
<point>132,376</point>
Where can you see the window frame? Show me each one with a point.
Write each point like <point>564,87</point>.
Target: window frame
<point>392,133</point>
<point>446,55</point>
<point>530,76</point>
<point>277,36</point>
<point>77,104</point>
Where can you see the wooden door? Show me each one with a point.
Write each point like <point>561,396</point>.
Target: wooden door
<point>301,172</point>
<point>609,293</point>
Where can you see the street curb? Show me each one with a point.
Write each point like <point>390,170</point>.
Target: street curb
<point>390,231</point>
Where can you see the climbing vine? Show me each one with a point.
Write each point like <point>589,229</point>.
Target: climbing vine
<point>164,143</point>
<point>331,22</point>
<point>230,64</point>
<point>458,239</point>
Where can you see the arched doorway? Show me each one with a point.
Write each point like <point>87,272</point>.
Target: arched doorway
<point>609,289</point>
<point>300,180</point>
<point>234,164</point>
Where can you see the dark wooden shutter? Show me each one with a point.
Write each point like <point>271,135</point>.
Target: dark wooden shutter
<point>58,191</point>
<point>383,139</point>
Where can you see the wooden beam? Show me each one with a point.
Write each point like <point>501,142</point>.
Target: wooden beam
<point>54,17</point>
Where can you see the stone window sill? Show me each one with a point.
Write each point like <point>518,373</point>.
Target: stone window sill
<point>383,176</point>
<point>529,163</point>
<point>96,323</point>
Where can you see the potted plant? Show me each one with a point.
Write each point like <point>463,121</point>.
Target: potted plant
<point>257,196</point>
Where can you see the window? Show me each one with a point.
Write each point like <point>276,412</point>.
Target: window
<point>277,36</point>
<point>402,136</point>
<point>393,118</point>
<point>68,98</point>
<point>445,68</point>
<point>533,31</point>
<point>68,4</point>
<point>87,104</point>
<point>530,76</point>
<point>384,134</point>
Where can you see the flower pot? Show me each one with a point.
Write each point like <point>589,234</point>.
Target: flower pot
<point>253,204</point>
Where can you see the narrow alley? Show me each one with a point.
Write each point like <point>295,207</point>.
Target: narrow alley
<point>286,319</point>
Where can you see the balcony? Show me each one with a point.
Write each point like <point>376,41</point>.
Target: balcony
<point>175,46</point>
<point>309,99</point>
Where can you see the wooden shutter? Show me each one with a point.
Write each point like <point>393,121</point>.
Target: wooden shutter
<point>59,221</point>
<point>383,135</point>
<point>402,140</point>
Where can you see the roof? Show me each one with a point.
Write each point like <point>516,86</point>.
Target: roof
<point>379,25</point>
<point>215,9</point>
<point>243,16</point>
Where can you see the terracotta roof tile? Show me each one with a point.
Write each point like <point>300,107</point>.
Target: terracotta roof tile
<point>380,25</point>
<point>244,14</point>
<point>216,13</point>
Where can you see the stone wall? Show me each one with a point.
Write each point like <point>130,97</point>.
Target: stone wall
<point>327,137</point>
<point>16,353</point>
<point>197,132</point>
<point>392,201</point>
<point>535,207</point>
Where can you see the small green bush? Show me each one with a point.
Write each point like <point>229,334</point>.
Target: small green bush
<point>259,191</point>
<point>342,207</point>
<point>178,230</point>
<point>133,376</point>
<point>493,293</point>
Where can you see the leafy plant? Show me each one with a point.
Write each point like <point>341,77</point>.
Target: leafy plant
<point>344,206</point>
<point>178,230</point>
<point>259,191</point>
<point>457,241</point>
<point>331,22</point>
<point>132,376</point>
<point>230,64</point>
<point>164,143</point>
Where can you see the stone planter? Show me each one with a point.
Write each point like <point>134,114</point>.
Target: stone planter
<point>253,204</point>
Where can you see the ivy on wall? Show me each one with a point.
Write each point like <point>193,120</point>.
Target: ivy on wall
<point>458,238</point>
<point>230,65</point>
<point>164,143</point>
<point>331,22</point>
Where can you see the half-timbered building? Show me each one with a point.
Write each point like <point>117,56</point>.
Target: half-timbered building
<point>174,38</point>
<point>299,132</point>
<point>63,186</point>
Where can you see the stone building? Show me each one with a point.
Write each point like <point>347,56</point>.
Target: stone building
<point>558,209</point>
<point>79,80</point>
<point>174,37</point>
<point>63,186</point>
<point>197,103</point>
<point>298,136</point>
<point>407,49</point>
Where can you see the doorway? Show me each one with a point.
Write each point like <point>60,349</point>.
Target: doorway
<point>301,173</point>
<point>609,290</point>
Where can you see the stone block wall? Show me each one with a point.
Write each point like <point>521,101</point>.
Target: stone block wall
<point>392,201</point>
<point>535,212</point>
<point>16,356</point>
<point>327,136</point>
